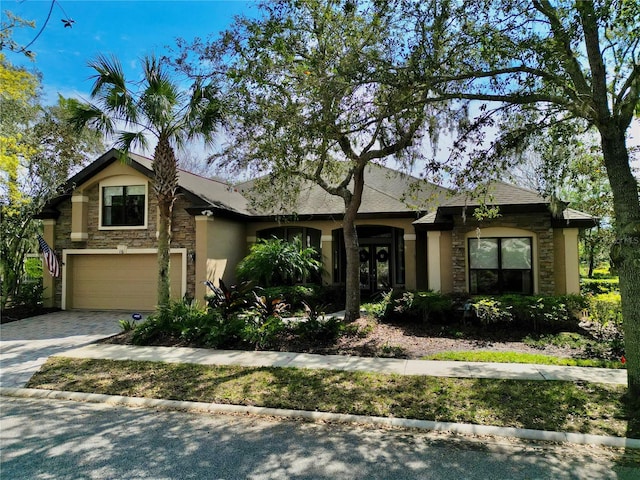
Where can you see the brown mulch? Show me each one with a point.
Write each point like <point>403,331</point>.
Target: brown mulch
<point>416,341</point>
<point>375,339</point>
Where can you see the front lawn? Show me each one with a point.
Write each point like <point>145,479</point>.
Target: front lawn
<point>558,406</point>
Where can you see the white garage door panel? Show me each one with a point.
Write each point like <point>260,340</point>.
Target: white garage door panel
<point>118,282</point>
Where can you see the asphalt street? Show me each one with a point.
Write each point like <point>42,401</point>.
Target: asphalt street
<point>44,439</point>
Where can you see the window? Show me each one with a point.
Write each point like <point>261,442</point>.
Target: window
<point>123,206</point>
<point>500,265</point>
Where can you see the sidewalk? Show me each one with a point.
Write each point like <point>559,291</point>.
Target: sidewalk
<point>435,368</point>
<point>340,362</point>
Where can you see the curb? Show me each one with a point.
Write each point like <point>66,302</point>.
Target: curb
<point>202,407</point>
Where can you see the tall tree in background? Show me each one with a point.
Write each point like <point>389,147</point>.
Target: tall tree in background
<point>160,108</point>
<point>573,174</point>
<point>319,90</point>
<point>538,63</point>
<point>38,152</point>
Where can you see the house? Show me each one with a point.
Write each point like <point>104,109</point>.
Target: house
<point>103,228</point>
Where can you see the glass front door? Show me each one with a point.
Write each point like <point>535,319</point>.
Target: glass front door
<point>374,268</point>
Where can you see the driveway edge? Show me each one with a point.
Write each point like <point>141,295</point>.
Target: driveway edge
<point>200,407</point>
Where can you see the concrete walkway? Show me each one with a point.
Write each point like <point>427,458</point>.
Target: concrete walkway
<point>435,368</point>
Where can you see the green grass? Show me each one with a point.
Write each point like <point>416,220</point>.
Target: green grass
<point>561,406</point>
<point>514,357</point>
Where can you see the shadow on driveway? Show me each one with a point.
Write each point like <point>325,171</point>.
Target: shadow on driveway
<point>26,344</point>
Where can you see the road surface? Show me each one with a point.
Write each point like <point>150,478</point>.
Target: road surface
<point>45,439</point>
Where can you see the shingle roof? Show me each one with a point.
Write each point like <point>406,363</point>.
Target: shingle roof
<point>510,198</point>
<point>384,192</point>
<point>212,192</point>
<point>497,193</point>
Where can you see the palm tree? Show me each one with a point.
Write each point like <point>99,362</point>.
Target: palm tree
<point>157,107</point>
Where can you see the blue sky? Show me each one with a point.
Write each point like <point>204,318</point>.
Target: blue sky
<point>128,29</point>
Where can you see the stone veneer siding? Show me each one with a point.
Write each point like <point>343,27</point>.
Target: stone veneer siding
<point>538,223</point>
<point>183,229</point>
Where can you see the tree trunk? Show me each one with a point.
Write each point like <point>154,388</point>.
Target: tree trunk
<point>625,253</point>
<point>165,186</point>
<point>591,245</point>
<point>352,247</point>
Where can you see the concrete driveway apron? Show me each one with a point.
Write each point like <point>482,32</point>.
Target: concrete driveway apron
<point>26,344</point>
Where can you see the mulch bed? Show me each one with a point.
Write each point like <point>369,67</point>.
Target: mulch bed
<point>397,340</point>
<point>23,311</point>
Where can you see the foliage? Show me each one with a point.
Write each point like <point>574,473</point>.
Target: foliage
<point>596,286</point>
<point>296,296</point>
<point>490,311</point>
<point>38,151</point>
<point>229,300</point>
<point>316,327</point>
<point>10,21</point>
<point>29,294</point>
<point>317,91</point>
<point>274,262</point>
<point>543,68</point>
<point>424,305</point>
<point>605,314</point>
<point>513,357</point>
<point>158,106</point>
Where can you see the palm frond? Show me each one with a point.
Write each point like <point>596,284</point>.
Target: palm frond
<point>89,115</point>
<point>126,141</point>
<point>110,87</point>
<point>110,74</point>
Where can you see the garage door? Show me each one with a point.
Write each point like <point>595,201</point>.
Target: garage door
<point>118,282</point>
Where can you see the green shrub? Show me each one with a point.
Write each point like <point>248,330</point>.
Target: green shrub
<point>179,319</point>
<point>29,294</point>
<point>262,332</point>
<point>278,262</point>
<point>490,311</point>
<point>537,311</point>
<point>296,296</point>
<point>320,330</point>
<point>429,304</point>
<point>605,313</point>
<point>33,268</point>
<point>597,286</point>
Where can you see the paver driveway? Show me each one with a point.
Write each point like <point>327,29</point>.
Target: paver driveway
<point>26,344</point>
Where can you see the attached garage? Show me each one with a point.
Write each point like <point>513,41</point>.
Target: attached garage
<point>117,280</point>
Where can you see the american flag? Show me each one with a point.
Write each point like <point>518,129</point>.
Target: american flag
<point>49,257</point>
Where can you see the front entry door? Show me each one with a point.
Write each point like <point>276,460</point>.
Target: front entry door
<point>374,268</point>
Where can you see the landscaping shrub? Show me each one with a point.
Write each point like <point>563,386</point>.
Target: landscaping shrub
<point>538,312</point>
<point>296,296</point>
<point>323,331</point>
<point>179,319</point>
<point>597,286</point>
<point>605,314</point>
<point>229,300</point>
<point>277,262</point>
<point>490,311</point>
<point>29,294</point>
<point>425,306</point>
